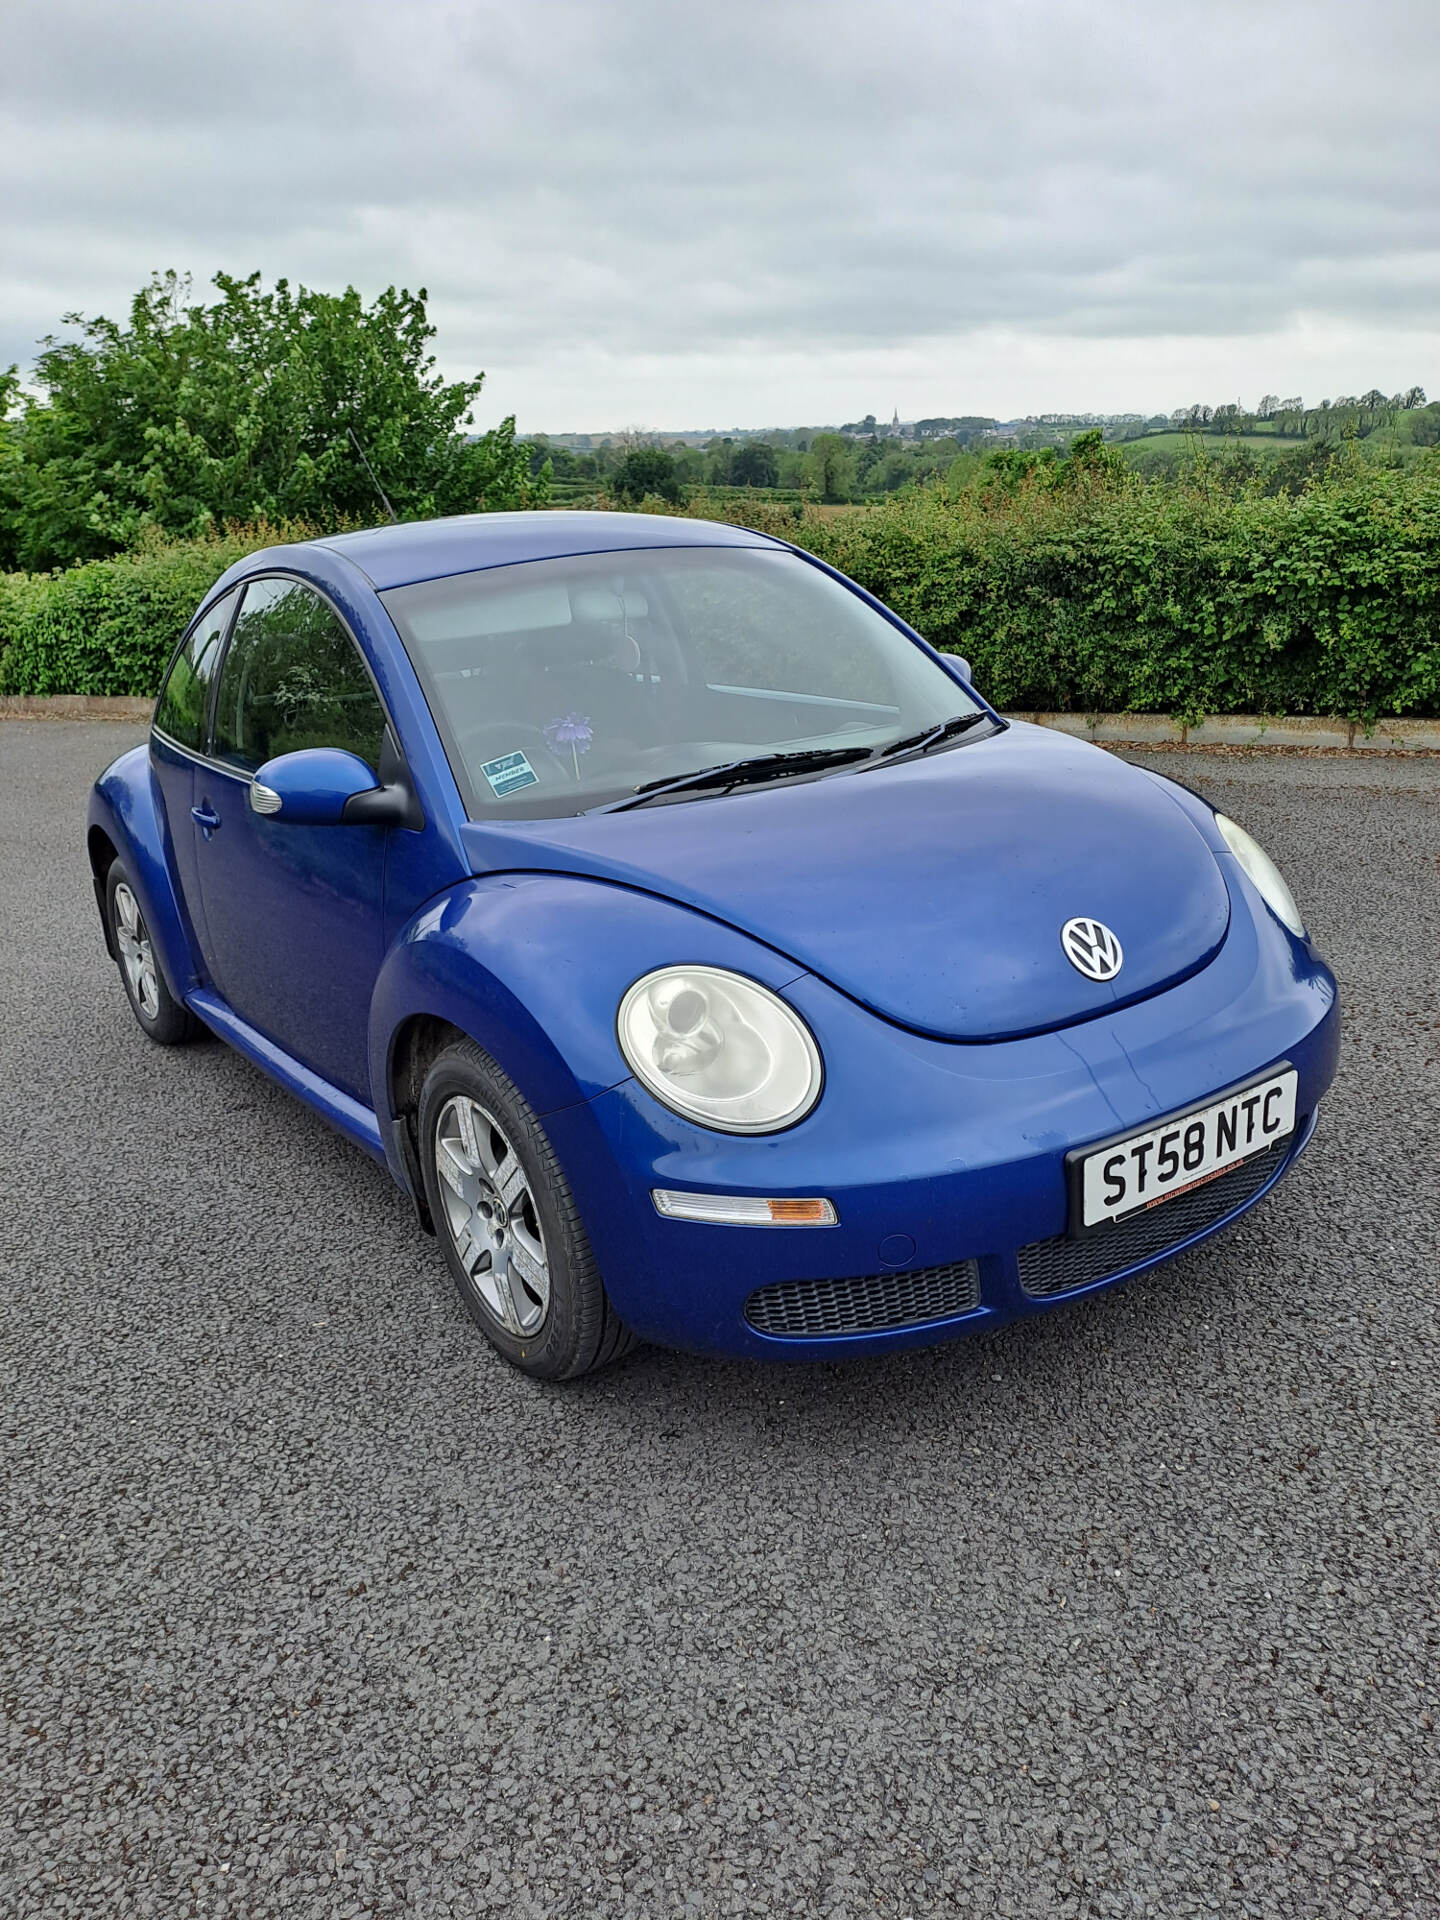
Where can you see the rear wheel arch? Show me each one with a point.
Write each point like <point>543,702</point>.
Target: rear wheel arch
<point>103,851</point>
<point>161,1015</point>
<point>125,824</point>
<point>103,854</point>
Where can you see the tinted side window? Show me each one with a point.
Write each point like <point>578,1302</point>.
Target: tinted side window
<point>293,678</point>
<point>185,696</point>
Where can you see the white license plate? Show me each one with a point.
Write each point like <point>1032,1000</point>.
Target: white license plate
<point>1183,1151</point>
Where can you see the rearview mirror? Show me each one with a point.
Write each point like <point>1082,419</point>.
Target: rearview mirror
<point>315,788</point>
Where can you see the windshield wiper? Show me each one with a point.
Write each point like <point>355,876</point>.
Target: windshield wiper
<point>737,773</point>
<point>950,729</point>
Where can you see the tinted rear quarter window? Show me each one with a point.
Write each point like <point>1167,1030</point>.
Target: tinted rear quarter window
<point>182,709</point>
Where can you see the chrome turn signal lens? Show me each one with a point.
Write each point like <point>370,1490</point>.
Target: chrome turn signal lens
<point>743,1209</point>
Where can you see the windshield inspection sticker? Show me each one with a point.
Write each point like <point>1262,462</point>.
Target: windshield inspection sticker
<point>509,774</point>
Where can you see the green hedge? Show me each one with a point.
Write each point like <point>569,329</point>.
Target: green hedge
<point>1156,599</point>
<point>1107,595</point>
<point>109,626</point>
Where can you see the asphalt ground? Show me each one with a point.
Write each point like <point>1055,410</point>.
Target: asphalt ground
<point>309,1606</point>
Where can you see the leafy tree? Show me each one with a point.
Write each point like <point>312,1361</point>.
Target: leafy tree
<point>831,467</point>
<point>1298,468</point>
<point>717,453</point>
<point>1089,461</point>
<point>193,415</point>
<point>9,394</point>
<point>794,467</point>
<point>895,466</point>
<point>1089,465</point>
<point>690,463</point>
<point>646,470</point>
<point>1009,468</point>
<point>754,465</point>
<point>561,462</point>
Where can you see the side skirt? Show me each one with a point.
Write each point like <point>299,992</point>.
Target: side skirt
<point>356,1121</point>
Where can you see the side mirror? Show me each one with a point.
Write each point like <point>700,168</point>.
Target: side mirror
<point>324,787</point>
<point>960,667</point>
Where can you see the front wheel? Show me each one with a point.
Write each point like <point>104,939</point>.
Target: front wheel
<point>161,1016</point>
<point>504,1215</point>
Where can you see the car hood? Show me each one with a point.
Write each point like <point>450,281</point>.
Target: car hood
<point>933,891</point>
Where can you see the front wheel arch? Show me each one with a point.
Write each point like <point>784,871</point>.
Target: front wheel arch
<point>415,1043</point>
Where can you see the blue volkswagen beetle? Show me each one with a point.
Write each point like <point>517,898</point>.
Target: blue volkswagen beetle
<point>705,959</point>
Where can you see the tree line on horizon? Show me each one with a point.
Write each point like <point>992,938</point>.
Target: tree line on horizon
<point>833,467</point>
<point>287,406</point>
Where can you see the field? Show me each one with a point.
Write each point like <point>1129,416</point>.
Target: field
<point>1212,442</point>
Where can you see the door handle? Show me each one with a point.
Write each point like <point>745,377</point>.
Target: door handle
<point>205,817</point>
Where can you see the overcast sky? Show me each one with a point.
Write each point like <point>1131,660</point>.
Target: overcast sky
<point>647,212</point>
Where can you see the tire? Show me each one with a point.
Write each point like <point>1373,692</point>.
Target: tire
<point>162,1018</point>
<point>507,1222</point>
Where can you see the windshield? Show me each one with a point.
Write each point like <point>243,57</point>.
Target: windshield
<point>561,685</point>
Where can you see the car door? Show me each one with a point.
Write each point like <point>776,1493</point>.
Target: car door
<point>179,735</point>
<point>292,915</point>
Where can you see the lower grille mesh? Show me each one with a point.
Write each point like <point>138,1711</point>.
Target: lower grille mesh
<point>1057,1266</point>
<point>813,1309</point>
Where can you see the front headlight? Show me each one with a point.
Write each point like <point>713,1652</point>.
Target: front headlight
<point>720,1049</point>
<point>1268,879</point>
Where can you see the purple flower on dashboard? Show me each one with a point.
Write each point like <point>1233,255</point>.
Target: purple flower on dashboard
<point>571,730</point>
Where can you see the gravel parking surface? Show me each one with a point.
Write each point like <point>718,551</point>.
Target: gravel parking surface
<point>308,1606</point>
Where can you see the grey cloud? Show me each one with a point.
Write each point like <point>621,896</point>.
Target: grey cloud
<point>645,183</point>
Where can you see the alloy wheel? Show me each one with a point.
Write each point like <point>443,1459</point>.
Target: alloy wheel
<point>491,1216</point>
<point>137,956</point>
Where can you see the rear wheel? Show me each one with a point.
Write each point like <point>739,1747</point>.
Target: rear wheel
<point>161,1016</point>
<point>504,1215</point>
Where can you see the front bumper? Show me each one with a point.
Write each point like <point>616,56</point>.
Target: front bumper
<point>937,1154</point>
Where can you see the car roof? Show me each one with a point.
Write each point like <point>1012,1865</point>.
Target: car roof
<point>401,555</point>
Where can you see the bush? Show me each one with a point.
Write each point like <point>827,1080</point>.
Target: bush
<point>110,626</point>
<point>20,598</point>
<point>1070,586</point>
<point>1105,595</point>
